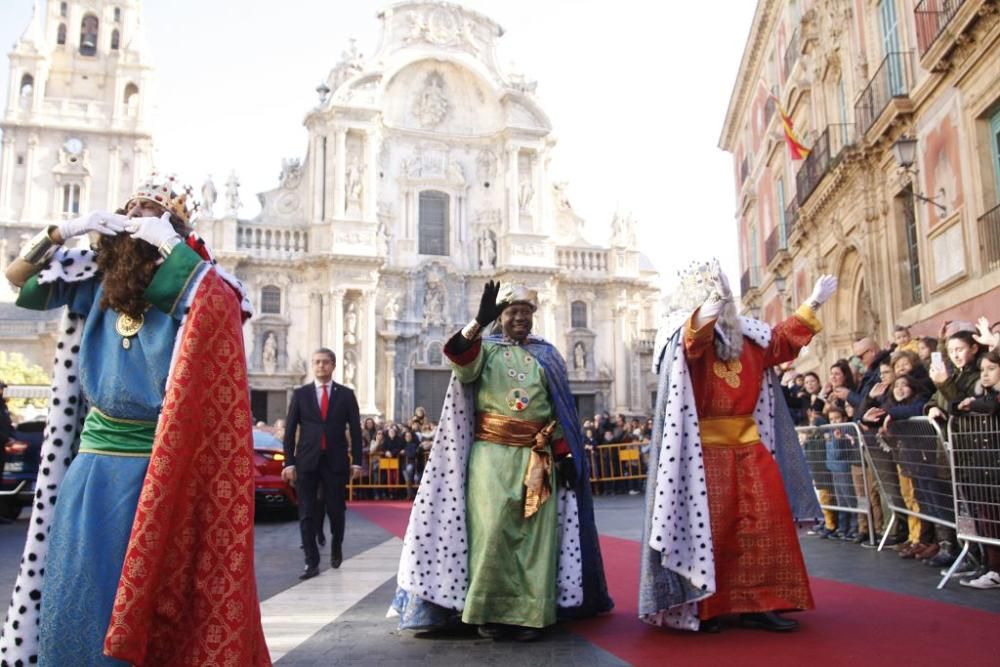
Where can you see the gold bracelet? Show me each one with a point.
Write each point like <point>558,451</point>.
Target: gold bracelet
<point>39,249</point>
<point>471,330</point>
<point>168,246</point>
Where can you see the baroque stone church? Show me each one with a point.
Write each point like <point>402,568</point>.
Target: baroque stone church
<point>426,173</point>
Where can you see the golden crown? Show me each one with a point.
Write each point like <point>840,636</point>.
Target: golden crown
<point>699,276</point>
<point>167,193</point>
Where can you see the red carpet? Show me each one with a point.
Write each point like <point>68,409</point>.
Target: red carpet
<point>851,625</point>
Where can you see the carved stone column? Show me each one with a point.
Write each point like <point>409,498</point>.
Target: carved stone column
<point>314,331</point>
<point>29,178</point>
<point>621,372</point>
<point>114,180</point>
<point>389,400</point>
<point>339,194</point>
<point>369,355</point>
<point>318,169</point>
<point>513,189</point>
<point>7,173</point>
<point>371,174</point>
<point>335,318</point>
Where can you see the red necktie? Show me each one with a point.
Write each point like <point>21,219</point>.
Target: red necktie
<point>324,406</point>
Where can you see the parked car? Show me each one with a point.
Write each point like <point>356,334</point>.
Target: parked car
<point>22,453</point>
<point>270,490</point>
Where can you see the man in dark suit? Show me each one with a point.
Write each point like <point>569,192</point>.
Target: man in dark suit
<point>316,454</point>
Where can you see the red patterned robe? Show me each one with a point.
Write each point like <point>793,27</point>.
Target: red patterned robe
<point>758,563</point>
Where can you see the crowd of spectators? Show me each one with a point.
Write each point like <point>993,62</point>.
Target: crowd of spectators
<point>878,390</point>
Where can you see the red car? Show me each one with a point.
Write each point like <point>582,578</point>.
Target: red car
<point>270,491</point>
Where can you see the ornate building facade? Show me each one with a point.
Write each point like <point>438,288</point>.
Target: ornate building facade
<point>899,104</point>
<point>75,134</point>
<point>426,174</point>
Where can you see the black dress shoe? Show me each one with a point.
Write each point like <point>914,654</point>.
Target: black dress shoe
<point>321,540</point>
<point>336,556</point>
<point>526,634</point>
<point>309,572</point>
<point>768,620</point>
<point>493,631</point>
<point>712,625</point>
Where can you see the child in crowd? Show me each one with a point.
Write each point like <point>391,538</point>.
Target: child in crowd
<point>841,451</point>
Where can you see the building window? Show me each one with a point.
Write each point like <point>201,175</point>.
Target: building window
<point>131,99</point>
<point>433,223</point>
<point>61,34</point>
<point>27,85</point>
<point>118,14</point>
<point>88,35</point>
<point>115,39</point>
<point>63,9</point>
<point>912,275</point>
<point>782,222</point>
<point>578,315</point>
<point>71,199</point>
<point>270,300</point>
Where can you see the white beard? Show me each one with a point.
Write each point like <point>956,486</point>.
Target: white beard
<point>728,333</point>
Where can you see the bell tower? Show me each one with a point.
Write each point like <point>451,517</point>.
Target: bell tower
<point>75,124</point>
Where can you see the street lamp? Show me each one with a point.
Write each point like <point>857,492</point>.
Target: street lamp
<point>905,152</point>
<point>779,284</point>
<point>754,311</point>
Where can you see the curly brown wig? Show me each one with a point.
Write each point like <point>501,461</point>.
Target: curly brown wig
<point>127,266</point>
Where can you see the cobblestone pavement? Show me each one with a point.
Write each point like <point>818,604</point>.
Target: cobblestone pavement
<point>340,618</point>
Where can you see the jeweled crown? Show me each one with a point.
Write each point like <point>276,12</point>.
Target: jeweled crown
<point>168,193</point>
<point>699,275</point>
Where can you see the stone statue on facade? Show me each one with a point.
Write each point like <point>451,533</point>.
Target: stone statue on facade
<point>354,187</point>
<point>562,197</point>
<point>579,356</point>
<point>269,355</point>
<point>391,310</point>
<point>291,173</point>
<point>525,194</point>
<point>487,250</point>
<point>350,370</point>
<point>208,195</point>
<point>351,324</point>
<point>233,193</point>
<point>431,105</point>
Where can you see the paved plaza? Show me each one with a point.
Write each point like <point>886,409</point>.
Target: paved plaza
<point>339,618</point>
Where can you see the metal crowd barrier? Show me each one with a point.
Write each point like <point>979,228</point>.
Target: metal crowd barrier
<point>841,475</point>
<point>975,467</point>
<point>614,468</point>
<point>921,485</point>
<point>618,467</point>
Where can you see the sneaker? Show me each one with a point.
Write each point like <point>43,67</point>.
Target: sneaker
<point>989,580</point>
<point>942,559</point>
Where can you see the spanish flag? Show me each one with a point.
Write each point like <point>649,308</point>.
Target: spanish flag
<point>795,147</point>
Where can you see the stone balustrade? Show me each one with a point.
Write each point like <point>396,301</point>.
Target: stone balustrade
<point>585,260</point>
<point>273,242</point>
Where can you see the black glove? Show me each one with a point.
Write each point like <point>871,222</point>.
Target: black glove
<point>488,309</point>
<point>566,472</point>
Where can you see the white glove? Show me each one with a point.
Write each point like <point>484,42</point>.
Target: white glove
<point>154,231</point>
<point>101,222</point>
<point>824,289</point>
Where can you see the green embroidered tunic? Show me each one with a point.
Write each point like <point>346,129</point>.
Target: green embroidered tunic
<point>512,560</point>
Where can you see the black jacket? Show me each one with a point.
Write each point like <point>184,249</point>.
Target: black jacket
<point>304,429</point>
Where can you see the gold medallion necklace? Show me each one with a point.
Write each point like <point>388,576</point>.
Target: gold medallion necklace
<point>128,326</point>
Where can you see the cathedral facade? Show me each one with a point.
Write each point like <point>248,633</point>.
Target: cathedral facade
<point>426,174</point>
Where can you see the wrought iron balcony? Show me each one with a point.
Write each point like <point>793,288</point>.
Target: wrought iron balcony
<point>892,79</point>
<point>989,239</point>
<point>823,156</point>
<point>932,16</point>
<point>744,171</point>
<point>791,216</point>
<point>769,108</point>
<point>792,52</point>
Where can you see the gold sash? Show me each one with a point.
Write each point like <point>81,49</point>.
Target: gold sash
<point>729,431</point>
<point>514,432</point>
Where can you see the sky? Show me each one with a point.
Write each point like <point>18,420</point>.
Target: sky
<point>636,92</point>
